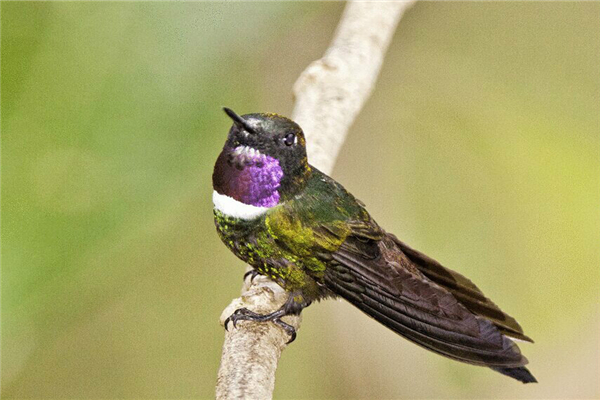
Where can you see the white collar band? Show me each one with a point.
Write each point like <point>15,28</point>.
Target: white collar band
<point>236,209</point>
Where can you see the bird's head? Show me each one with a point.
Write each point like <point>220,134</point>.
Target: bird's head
<point>263,161</point>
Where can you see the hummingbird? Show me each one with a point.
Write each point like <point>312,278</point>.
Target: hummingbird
<point>300,228</point>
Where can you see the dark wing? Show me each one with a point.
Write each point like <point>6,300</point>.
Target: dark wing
<point>368,268</point>
<point>464,291</point>
<point>378,278</point>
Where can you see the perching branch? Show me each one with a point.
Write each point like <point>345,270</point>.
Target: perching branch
<point>329,95</point>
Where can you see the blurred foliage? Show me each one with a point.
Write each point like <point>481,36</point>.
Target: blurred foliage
<point>479,146</point>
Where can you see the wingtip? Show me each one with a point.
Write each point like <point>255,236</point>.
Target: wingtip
<point>518,338</point>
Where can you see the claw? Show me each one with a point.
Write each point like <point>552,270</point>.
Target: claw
<point>253,274</point>
<point>246,275</point>
<point>243,314</point>
<point>292,307</point>
<point>233,318</point>
<point>290,330</point>
<point>292,338</point>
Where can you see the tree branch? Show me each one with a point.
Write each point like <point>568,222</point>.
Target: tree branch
<point>329,94</point>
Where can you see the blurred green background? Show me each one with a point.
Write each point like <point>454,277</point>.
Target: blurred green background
<point>479,146</point>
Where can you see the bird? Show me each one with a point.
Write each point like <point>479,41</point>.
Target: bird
<point>303,230</point>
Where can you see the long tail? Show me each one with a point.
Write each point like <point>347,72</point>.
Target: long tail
<point>389,288</point>
<point>464,291</point>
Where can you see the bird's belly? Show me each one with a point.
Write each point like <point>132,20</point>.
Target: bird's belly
<point>252,243</point>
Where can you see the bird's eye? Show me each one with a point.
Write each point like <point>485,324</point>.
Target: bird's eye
<point>289,139</point>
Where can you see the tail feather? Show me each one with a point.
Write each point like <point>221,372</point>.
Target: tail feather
<point>488,349</point>
<point>385,284</point>
<point>464,290</point>
<point>521,374</point>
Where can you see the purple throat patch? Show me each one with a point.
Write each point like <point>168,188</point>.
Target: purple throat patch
<point>248,176</point>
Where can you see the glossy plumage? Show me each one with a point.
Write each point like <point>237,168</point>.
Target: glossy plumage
<point>321,242</point>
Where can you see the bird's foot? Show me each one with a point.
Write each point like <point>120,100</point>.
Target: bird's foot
<point>243,314</point>
<point>252,274</point>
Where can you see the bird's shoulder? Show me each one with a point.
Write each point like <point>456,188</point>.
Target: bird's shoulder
<point>324,214</point>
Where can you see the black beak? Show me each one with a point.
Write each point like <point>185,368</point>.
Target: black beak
<point>239,121</point>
